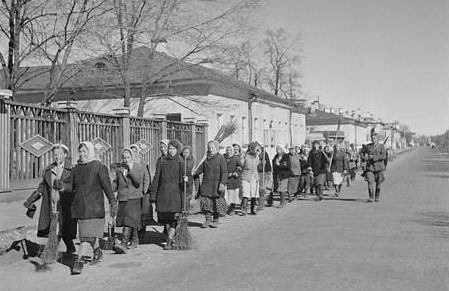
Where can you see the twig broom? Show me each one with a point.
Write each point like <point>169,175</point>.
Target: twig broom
<point>223,133</point>
<point>50,252</point>
<point>182,239</point>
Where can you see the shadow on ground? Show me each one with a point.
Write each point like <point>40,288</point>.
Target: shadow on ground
<point>438,221</point>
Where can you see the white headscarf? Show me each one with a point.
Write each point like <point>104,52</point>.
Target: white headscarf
<point>91,150</point>
<point>282,147</point>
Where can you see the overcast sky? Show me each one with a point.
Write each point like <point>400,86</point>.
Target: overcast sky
<point>389,57</point>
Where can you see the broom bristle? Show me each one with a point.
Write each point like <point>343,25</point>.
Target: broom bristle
<point>183,239</point>
<point>50,252</point>
<point>226,130</point>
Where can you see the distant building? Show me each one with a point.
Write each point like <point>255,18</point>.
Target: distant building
<point>187,92</point>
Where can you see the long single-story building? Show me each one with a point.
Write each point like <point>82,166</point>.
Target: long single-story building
<point>182,92</point>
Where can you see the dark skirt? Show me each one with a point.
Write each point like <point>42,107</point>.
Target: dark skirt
<point>129,213</point>
<point>213,205</point>
<point>167,217</point>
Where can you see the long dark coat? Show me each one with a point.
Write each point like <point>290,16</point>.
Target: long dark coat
<point>90,181</point>
<point>339,162</point>
<point>167,185</point>
<point>234,166</point>
<point>214,172</point>
<point>65,199</point>
<point>318,162</point>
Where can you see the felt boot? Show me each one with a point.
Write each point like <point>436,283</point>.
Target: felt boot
<point>244,205</point>
<point>208,220</point>
<point>122,247</point>
<point>253,206</point>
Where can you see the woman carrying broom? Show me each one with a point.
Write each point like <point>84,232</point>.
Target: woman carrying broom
<point>167,188</point>
<point>187,156</point>
<point>90,181</point>
<point>128,183</point>
<point>212,188</point>
<point>57,177</point>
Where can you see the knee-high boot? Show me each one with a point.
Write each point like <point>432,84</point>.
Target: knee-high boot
<point>253,206</point>
<point>171,233</point>
<point>70,247</point>
<point>282,196</point>
<point>319,192</point>
<point>134,238</point>
<point>208,220</point>
<point>377,197</point>
<point>270,199</point>
<point>370,193</point>
<point>122,247</point>
<point>244,205</point>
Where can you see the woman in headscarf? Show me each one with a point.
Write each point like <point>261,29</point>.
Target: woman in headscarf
<point>55,189</point>
<point>187,156</point>
<point>339,167</point>
<point>281,173</point>
<point>265,176</point>
<point>215,175</point>
<point>90,184</point>
<point>146,211</point>
<point>250,178</point>
<point>234,168</point>
<point>167,189</point>
<point>128,183</point>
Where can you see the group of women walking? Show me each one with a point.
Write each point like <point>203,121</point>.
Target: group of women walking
<point>229,182</point>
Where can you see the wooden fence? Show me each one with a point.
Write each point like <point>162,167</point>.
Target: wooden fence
<point>19,169</point>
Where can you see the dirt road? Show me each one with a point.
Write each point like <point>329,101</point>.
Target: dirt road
<point>401,243</point>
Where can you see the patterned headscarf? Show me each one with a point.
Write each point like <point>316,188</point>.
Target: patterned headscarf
<point>90,149</point>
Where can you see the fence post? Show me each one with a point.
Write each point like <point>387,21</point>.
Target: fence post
<point>4,144</point>
<point>72,128</point>
<point>125,129</point>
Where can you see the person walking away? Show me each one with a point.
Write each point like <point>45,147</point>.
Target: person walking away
<point>318,162</point>
<point>234,182</point>
<point>265,176</point>
<point>250,179</point>
<point>128,184</point>
<point>57,177</point>
<point>211,192</point>
<point>167,190</point>
<point>90,184</point>
<point>339,168</point>
<point>375,155</point>
<point>295,173</point>
<point>281,172</point>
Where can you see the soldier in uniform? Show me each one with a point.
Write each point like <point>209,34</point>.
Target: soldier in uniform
<point>375,155</point>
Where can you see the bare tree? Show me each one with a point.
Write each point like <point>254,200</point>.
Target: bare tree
<point>198,30</point>
<point>70,21</point>
<point>282,52</point>
<point>17,19</point>
<point>43,32</point>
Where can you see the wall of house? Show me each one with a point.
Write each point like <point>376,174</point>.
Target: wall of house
<point>270,121</point>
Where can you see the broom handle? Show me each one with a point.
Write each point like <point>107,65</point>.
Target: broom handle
<point>184,208</point>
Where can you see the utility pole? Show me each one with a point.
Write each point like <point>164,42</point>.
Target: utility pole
<point>251,99</point>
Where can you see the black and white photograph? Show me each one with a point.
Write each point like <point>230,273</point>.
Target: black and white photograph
<point>224,145</point>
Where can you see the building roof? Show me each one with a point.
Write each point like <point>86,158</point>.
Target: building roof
<point>325,118</point>
<point>97,78</point>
